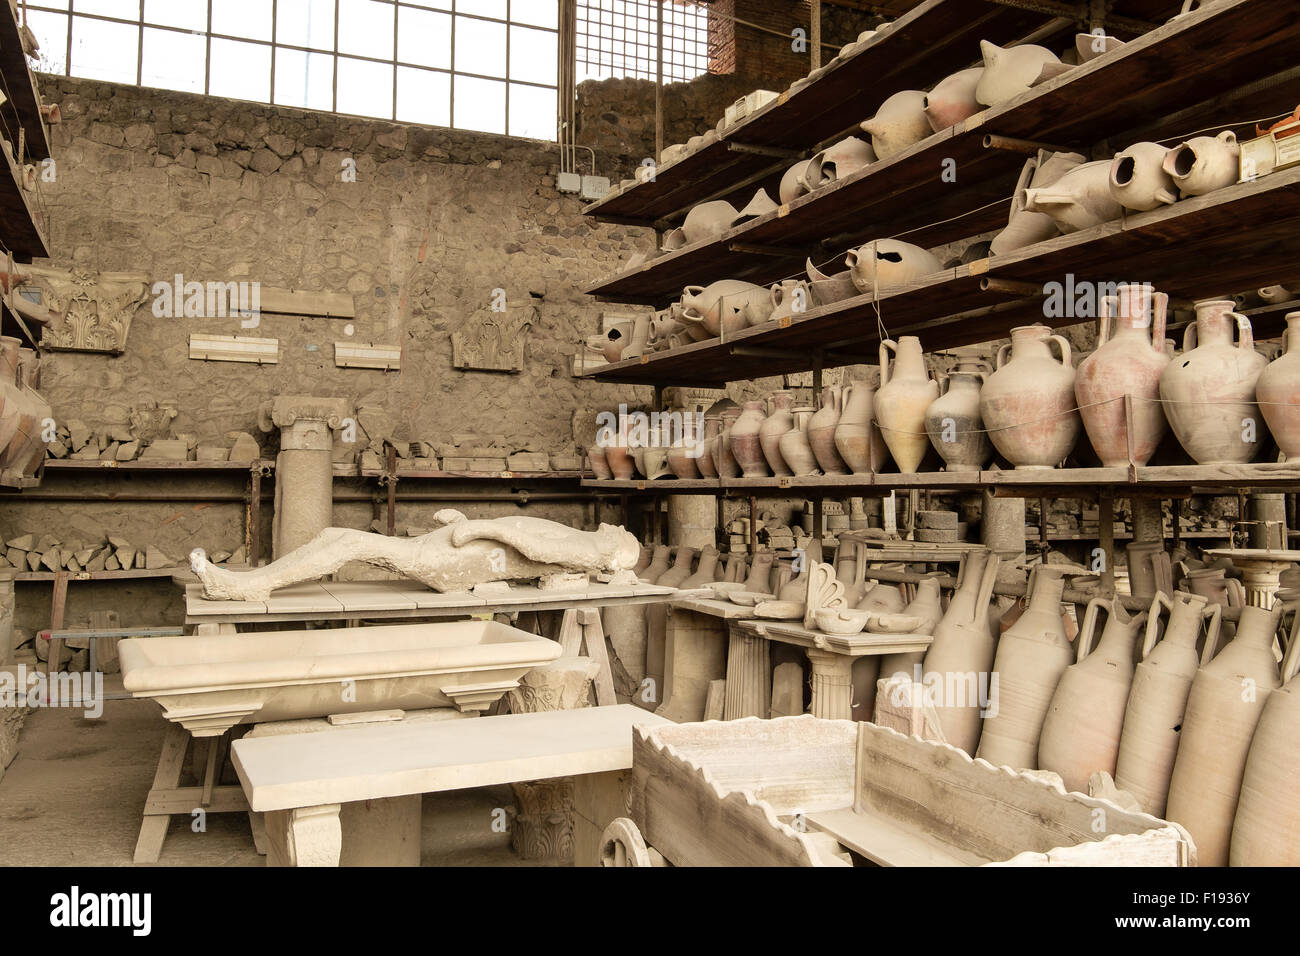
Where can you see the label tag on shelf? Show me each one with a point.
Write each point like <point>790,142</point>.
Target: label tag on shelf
<point>645,358</point>
<point>979,267</point>
<point>640,486</point>
<point>783,482</point>
<point>784,321</point>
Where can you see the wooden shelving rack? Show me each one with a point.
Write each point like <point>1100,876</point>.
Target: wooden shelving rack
<point>1224,66</point>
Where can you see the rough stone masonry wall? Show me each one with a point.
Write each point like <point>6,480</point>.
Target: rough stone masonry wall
<point>162,183</point>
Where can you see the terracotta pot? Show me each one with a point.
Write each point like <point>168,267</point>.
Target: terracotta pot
<point>953,99</point>
<point>926,605</point>
<point>792,184</point>
<point>1120,381</point>
<point>1209,390</point>
<point>723,306</point>
<point>1089,46</point>
<point>821,433</point>
<point>796,589</point>
<point>706,220</point>
<point>745,446</point>
<point>1204,163</point>
<point>1224,706</point>
<point>846,572</point>
<point>599,466</point>
<point>1082,727</point>
<point>962,651</point>
<point>885,263</point>
<point>774,426</point>
<point>723,457</point>
<point>705,572</point>
<point>1142,578</point>
<point>681,569</point>
<point>837,162</point>
<point>1138,180</point>
<point>1278,391</point>
<point>789,297</point>
<point>1028,403</point>
<point>685,453</point>
<point>705,461</point>
<point>1032,655</point>
<point>1266,829</point>
<point>882,598</point>
<point>906,391</point>
<point>620,460</point>
<point>1079,199</point>
<point>900,122</point>
<point>1011,71</point>
<point>659,564</point>
<point>857,436</point>
<point>1158,698</point>
<point>953,420</point>
<point>795,449</point>
<point>830,288</point>
<point>760,573</point>
<point>1208,583</point>
<point>10,392</point>
<point>1024,228</point>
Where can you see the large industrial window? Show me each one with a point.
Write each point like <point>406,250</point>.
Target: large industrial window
<point>619,38</point>
<point>488,65</point>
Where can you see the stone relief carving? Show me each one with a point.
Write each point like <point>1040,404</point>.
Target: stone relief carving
<point>492,341</point>
<point>95,308</point>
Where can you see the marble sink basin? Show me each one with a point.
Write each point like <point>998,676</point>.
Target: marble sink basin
<point>208,684</point>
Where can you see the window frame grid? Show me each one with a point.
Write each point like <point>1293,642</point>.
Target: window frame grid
<point>601,52</point>
<point>71,15</point>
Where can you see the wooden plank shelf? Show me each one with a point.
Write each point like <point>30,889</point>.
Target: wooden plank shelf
<point>905,196</point>
<point>22,223</point>
<point>435,475</point>
<point>24,104</point>
<point>933,39</point>
<point>1026,483</point>
<point>962,306</point>
<point>146,466</point>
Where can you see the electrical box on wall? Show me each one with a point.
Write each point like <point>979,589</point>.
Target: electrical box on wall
<point>568,183</point>
<point>594,187</point>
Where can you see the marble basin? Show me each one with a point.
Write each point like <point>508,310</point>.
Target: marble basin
<point>208,684</point>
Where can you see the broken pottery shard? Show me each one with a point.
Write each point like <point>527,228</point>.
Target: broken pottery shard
<point>119,544</point>
<point>460,555</point>
<point>83,556</point>
<point>33,560</point>
<point>238,556</point>
<point>167,449</point>
<point>109,453</point>
<point>128,450</point>
<point>111,563</point>
<point>71,564</point>
<point>57,449</point>
<point>16,556</point>
<point>96,563</point>
<point>219,557</point>
<point>88,453</point>
<point>24,542</point>
<point>371,461</point>
<point>4,563</point>
<point>563,582</point>
<point>156,560</point>
<point>46,543</point>
<point>52,560</point>
<point>210,452</point>
<point>245,447</point>
<point>125,558</point>
<point>527,461</point>
<point>78,434</point>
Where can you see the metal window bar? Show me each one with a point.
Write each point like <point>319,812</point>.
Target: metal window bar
<point>71,15</point>
<point>618,37</point>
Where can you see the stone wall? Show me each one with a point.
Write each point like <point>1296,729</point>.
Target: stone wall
<point>761,34</point>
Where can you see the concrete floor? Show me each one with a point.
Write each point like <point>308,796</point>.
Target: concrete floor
<point>72,797</point>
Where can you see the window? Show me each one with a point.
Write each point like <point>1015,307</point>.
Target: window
<point>488,65</point>
<point>620,38</point>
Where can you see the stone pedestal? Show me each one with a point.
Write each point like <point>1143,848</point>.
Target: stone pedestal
<point>1267,528</point>
<point>694,655</point>
<point>692,520</point>
<point>1002,531</point>
<point>304,469</point>
<point>1148,520</point>
<point>832,685</point>
<point>749,676</point>
<point>542,827</point>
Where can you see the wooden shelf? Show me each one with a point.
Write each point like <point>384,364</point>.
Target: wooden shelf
<point>145,466</point>
<point>432,474</point>
<point>24,105</point>
<point>956,306</point>
<point>933,39</point>
<point>1026,483</point>
<point>903,196</point>
<point>22,224</point>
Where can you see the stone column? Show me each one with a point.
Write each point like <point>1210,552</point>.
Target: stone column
<point>542,827</point>
<point>1148,519</point>
<point>749,676</point>
<point>304,470</point>
<point>692,520</point>
<point>1268,516</point>
<point>1002,531</point>
<point>832,685</point>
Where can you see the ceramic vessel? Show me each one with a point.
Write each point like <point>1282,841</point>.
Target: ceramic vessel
<point>1032,655</point>
<point>794,446</point>
<point>900,122</point>
<point>1266,827</point>
<point>1204,163</point>
<point>792,184</point>
<point>759,579</point>
<point>882,599</point>
<point>906,391</point>
<point>1138,180</point>
<point>830,288</point>
<point>1028,402</point>
<point>660,562</point>
<point>1024,228</point>
<point>1119,382</point>
<point>1158,697</point>
<point>1079,199</point>
<point>1089,46</point>
<point>706,220</point>
<point>723,306</point>
<point>599,466</point>
<point>837,162</point>
<point>705,570</point>
<point>1081,729</point>
<point>723,457</point>
<point>620,460</point>
<point>962,651</point>
<point>1209,390</point>
<point>953,422</point>
<point>846,572</point>
<point>953,99</point>
<point>745,446</point>
<point>928,608</point>
<point>774,426</point>
<point>685,453</point>
<point>821,433</point>
<point>704,461</point>
<point>857,436</point>
<point>1011,71</point>
<point>1224,706</point>
<point>789,297</point>
<point>885,263</point>
<point>1278,391</point>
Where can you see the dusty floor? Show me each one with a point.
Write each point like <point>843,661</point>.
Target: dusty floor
<point>72,797</point>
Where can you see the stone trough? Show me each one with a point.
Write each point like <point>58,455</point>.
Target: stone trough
<point>209,684</point>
